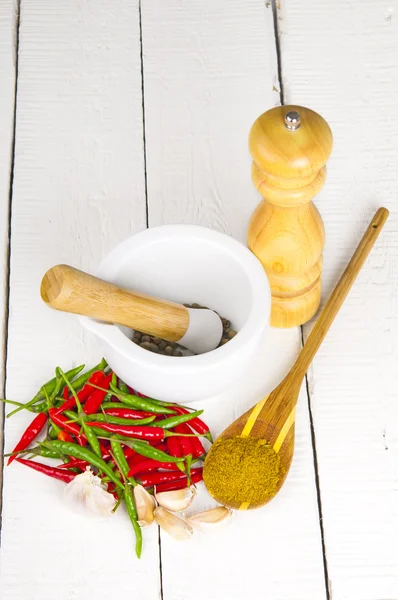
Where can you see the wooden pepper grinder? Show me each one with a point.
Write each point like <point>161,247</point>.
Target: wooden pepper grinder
<point>289,146</point>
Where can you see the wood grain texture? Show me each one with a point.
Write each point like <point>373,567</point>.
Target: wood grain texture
<point>340,59</point>
<point>209,71</point>
<point>8,39</point>
<point>285,231</point>
<point>68,289</point>
<point>78,191</point>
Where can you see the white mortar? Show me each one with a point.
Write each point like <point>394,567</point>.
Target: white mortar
<point>187,264</point>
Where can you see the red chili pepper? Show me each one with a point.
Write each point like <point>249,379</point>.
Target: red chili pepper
<point>151,479</point>
<point>104,449</point>
<point>194,445</point>
<point>66,393</point>
<point>54,472</point>
<point>179,485</point>
<point>197,424</point>
<point>75,463</point>
<point>186,443</point>
<point>96,378</point>
<point>64,436</point>
<point>133,471</point>
<point>30,434</point>
<point>135,458</point>
<point>161,446</point>
<point>174,446</point>
<point>127,413</point>
<point>140,432</point>
<point>129,452</point>
<point>62,422</point>
<point>96,398</point>
<point>148,464</point>
<point>111,489</point>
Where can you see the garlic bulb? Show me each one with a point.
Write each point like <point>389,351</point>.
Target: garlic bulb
<point>176,500</point>
<point>87,494</point>
<point>207,520</point>
<point>173,525</point>
<point>145,505</point>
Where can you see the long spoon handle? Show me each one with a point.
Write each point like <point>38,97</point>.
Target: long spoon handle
<point>340,292</point>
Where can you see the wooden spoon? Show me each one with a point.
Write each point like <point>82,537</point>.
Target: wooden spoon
<point>273,418</point>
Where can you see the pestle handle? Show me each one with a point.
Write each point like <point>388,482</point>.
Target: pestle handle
<point>70,290</point>
<point>339,293</point>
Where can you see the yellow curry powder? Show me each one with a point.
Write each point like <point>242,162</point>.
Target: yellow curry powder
<point>241,470</point>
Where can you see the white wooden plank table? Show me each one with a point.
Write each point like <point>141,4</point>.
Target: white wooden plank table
<point>8,36</point>
<point>131,114</point>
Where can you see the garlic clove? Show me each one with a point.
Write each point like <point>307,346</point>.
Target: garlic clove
<point>85,493</point>
<point>176,500</point>
<point>145,505</point>
<point>178,528</point>
<point>207,520</point>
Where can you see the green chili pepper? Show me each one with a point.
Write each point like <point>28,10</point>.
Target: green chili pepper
<point>120,460</point>
<point>101,433</point>
<point>47,453</point>
<point>177,420</point>
<point>118,503</point>
<point>53,431</point>
<point>105,405</point>
<point>84,454</point>
<point>140,403</point>
<point>49,387</point>
<point>42,407</point>
<point>92,438</point>
<point>57,389</point>
<point>105,418</point>
<point>14,403</point>
<point>122,387</point>
<point>71,415</point>
<point>38,451</point>
<point>132,513</point>
<point>145,449</point>
<point>165,403</point>
<point>88,431</point>
<point>47,397</point>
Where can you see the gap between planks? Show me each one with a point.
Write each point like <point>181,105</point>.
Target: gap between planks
<point>277,34</point>
<point>317,482</point>
<point>143,118</point>
<point>8,264</point>
<point>147,221</point>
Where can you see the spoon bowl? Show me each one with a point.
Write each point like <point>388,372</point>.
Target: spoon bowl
<point>272,419</point>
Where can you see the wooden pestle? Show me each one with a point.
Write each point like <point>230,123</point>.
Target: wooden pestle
<point>70,290</point>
